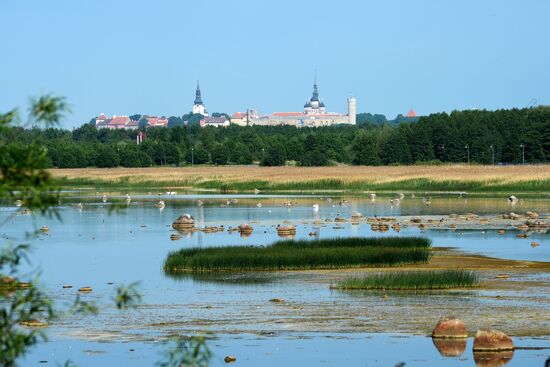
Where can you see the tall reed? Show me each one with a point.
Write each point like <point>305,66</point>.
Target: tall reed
<point>412,280</point>
<point>302,254</point>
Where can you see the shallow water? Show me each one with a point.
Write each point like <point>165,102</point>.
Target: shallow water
<point>292,350</point>
<point>94,246</point>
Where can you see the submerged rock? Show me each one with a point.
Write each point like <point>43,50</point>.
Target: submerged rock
<point>33,323</point>
<point>492,340</point>
<point>450,327</point>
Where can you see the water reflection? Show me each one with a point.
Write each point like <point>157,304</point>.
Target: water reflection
<point>230,279</point>
<point>450,347</point>
<point>493,359</point>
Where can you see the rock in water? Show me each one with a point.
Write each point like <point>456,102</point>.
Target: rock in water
<point>230,359</point>
<point>246,228</point>
<point>184,222</point>
<point>492,340</point>
<point>450,327</point>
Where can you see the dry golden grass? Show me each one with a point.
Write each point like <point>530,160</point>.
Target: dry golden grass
<point>231,174</point>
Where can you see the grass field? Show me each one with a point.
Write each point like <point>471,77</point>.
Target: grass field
<point>303,254</point>
<point>470,178</point>
<point>412,280</point>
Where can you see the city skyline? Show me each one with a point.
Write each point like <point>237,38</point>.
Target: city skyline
<point>486,55</point>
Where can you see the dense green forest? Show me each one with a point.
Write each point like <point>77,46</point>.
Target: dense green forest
<point>476,135</point>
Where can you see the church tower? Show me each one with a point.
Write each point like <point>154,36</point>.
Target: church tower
<point>314,106</point>
<point>198,105</point>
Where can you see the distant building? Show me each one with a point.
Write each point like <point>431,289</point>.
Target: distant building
<point>221,121</point>
<point>116,122</point>
<point>198,105</point>
<point>157,121</point>
<point>313,115</point>
<point>411,113</point>
<point>243,118</point>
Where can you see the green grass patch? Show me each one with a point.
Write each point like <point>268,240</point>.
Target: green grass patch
<point>303,254</point>
<point>412,280</point>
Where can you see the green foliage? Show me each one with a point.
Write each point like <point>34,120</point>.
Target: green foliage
<point>412,280</point>
<point>24,177</point>
<point>439,136</point>
<point>127,296</point>
<point>274,155</point>
<point>187,352</point>
<point>220,154</point>
<point>48,109</point>
<point>303,254</point>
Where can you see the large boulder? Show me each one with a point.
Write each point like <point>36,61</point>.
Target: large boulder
<point>184,222</point>
<point>450,327</point>
<point>492,340</point>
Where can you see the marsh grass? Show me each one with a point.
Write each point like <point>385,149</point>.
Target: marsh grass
<point>472,178</point>
<point>303,254</point>
<point>412,280</point>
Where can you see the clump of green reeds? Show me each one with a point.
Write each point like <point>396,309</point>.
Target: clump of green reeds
<point>413,280</point>
<point>303,254</point>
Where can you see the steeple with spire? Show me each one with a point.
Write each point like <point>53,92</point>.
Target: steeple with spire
<point>198,99</point>
<point>198,105</point>
<point>314,106</point>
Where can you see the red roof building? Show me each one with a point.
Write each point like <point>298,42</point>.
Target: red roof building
<point>411,113</point>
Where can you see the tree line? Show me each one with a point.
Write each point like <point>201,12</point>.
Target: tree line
<point>477,136</point>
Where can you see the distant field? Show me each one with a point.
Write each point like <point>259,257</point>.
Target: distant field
<point>446,177</point>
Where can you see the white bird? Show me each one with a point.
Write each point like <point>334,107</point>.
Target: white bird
<point>315,207</point>
<point>160,204</point>
<point>512,200</point>
<point>259,205</point>
<point>401,196</point>
<point>199,203</point>
<point>79,205</point>
<point>372,196</point>
<point>128,198</point>
<point>18,203</point>
<point>395,201</point>
<point>104,198</point>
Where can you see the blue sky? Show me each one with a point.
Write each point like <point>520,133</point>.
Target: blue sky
<point>128,56</point>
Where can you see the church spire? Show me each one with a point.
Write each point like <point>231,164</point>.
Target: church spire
<point>198,99</point>
<point>315,91</point>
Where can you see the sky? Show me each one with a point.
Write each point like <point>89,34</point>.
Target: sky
<point>130,56</point>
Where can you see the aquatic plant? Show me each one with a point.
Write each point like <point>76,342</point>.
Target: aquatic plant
<point>303,254</point>
<point>412,280</point>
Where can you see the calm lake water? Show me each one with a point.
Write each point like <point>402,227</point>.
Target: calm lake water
<point>93,246</point>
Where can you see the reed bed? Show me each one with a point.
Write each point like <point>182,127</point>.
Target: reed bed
<point>412,280</point>
<point>302,254</point>
<point>356,178</point>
